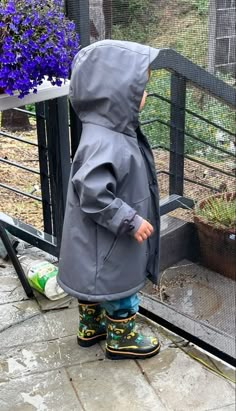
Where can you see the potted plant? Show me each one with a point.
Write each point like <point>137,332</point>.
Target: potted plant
<point>215,220</point>
<point>37,42</point>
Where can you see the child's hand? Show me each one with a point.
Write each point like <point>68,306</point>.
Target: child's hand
<point>144,231</point>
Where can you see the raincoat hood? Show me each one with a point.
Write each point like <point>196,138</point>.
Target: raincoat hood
<point>105,92</point>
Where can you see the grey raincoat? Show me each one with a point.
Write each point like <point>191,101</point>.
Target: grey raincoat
<point>113,178</point>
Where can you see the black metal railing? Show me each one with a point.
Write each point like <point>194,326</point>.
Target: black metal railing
<point>176,184</point>
<point>56,144</point>
<point>53,163</point>
<point>42,172</point>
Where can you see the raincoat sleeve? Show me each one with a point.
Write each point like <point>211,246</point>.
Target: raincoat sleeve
<point>95,185</point>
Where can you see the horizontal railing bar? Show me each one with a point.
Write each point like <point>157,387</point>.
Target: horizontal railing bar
<point>20,192</point>
<point>164,172</point>
<point>190,135</point>
<point>167,100</point>
<point>153,120</point>
<point>174,201</point>
<point>174,62</point>
<point>187,179</point>
<point>160,146</point>
<point>18,139</point>
<point>209,166</point>
<point>210,122</point>
<point>196,161</point>
<point>30,113</point>
<point>194,114</point>
<point>209,144</point>
<point>11,163</point>
<point>30,234</point>
<point>201,184</point>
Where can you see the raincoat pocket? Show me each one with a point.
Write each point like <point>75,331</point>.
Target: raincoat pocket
<point>111,249</point>
<point>106,242</point>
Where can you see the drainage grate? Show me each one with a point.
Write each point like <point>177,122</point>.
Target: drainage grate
<point>203,299</point>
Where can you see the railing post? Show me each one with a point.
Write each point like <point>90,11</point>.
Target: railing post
<point>177,123</point>
<point>78,11</point>
<point>59,159</point>
<point>43,167</point>
<point>75,131</point>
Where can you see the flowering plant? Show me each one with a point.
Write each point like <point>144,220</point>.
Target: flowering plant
<point>37,42</point>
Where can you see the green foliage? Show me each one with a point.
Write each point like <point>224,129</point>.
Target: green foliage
<point>133,32</point>
<point>201,6</point>
<point>157,133</point>
<point>126,11</point>
<point>132,20</point>
<point>201,104</point>
<point>219,211</point>
<point>30,107</point>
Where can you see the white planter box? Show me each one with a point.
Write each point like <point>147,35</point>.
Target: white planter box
<point>45,92</point>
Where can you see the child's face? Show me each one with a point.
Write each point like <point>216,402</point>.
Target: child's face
<point>143,100</point>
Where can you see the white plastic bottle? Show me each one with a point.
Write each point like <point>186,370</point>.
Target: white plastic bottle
<point>42,276</point>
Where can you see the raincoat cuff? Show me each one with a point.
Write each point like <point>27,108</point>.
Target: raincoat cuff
<point>122,221</point>
<point>136,223</point>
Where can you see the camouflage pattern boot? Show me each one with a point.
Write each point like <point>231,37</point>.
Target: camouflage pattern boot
<point>124,342</point>
<point>92,325</point>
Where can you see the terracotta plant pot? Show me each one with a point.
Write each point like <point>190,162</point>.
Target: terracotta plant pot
<point>217,245</point>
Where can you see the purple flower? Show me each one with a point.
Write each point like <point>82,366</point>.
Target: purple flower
<point>37,42</point>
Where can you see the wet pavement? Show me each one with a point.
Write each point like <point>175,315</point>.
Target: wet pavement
<point>42,368</point>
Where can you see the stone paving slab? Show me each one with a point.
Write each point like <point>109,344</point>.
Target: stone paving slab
<point>11,290</point>
<point>212,361</point>
<point>29,331</point>
<point>46,305</point>
<point>42,368</point>
<point>230,407</point>
<point>15,313</point>
<point>45,356</point>
<point>114,385</point>
<point>7,269</point>
<point>62,322</point>
<point>185,385</point>
<point>50,391</point>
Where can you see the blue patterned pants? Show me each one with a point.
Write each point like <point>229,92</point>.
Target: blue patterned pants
<point>122,307</point>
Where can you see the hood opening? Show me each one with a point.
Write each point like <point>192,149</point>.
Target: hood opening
<point>107,83</point>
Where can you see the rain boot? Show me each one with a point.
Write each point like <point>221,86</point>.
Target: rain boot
<point>124,342</point>
<point>92,325</point>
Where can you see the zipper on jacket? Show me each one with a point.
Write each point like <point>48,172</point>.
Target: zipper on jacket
<point>153,198</point>
<point>113,244</point>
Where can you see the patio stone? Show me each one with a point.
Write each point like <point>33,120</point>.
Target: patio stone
<point>45,356</point>
<point>185,385</point>
<point>62,323</point>
<point>15,313</point>
<point>114,385</point>
<point>48,391</point>
<point>11,290</point>
<point>26,332</point>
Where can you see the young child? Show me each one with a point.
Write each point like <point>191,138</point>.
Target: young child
<point>110,240</point>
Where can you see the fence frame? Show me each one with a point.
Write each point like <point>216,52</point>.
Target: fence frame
<point>183,71</point>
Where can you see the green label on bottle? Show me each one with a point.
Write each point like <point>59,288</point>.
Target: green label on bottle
<point>40,273</point>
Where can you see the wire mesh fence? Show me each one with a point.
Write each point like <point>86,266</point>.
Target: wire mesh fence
<point>204,32</point>
<point>20,187</point>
